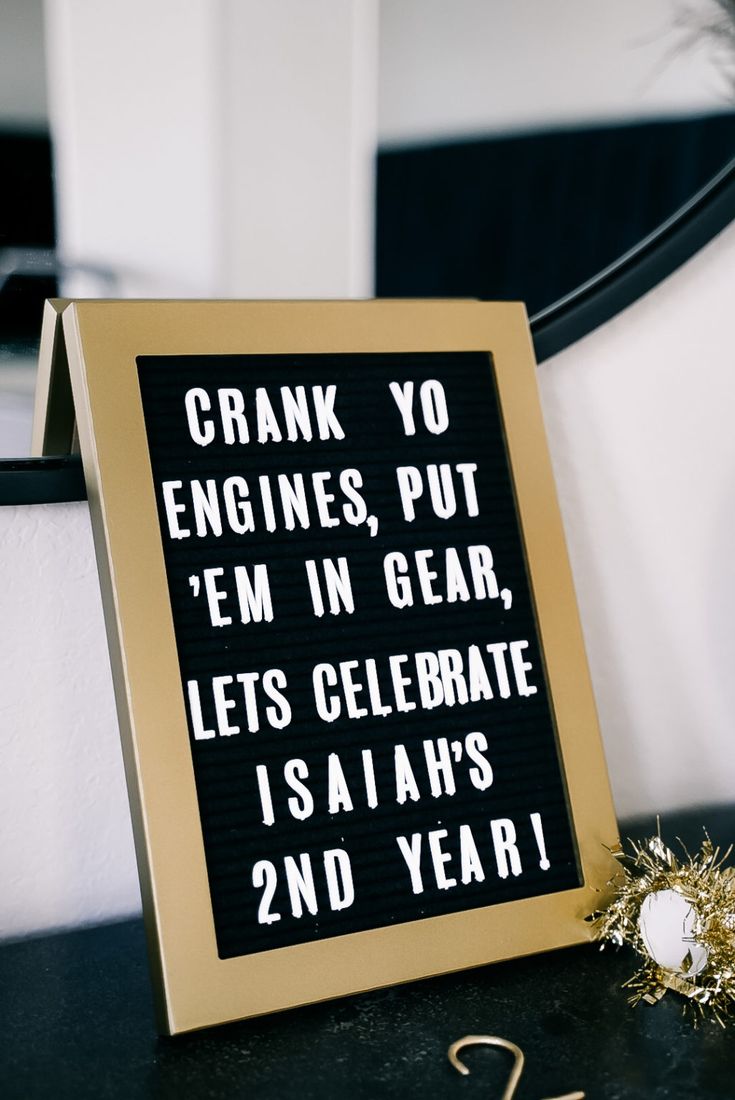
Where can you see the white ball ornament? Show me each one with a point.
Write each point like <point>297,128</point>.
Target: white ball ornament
<point>678,913</point>
<point>667,925</point>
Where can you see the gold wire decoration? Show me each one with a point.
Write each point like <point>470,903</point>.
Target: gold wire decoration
<point>708,887</point>
<point>518,1063</point>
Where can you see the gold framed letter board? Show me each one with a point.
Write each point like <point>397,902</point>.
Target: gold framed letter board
<point>359,734</point>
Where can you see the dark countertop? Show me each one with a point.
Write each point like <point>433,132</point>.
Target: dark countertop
<point>77,1021</point>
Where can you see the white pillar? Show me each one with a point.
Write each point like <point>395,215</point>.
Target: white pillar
<point>215,147</point>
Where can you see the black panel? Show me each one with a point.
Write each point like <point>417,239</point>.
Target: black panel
<point>26,190</point>
<point>27,219</point>
<point>530,217</point>
<point>52,480</point>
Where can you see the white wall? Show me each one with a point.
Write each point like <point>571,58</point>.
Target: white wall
<point>640,420</point>
<point>226,151</point>
<point>22,65</point>
<point>132,104</point>
<point>464,66</point>
<point>470,67</point>
<point>639,416</point>
<point>67,851</point>
<point>299,134</point>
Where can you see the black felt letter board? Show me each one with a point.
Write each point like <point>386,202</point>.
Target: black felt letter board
<point>411,738</point>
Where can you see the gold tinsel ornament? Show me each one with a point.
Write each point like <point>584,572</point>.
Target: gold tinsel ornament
<point>696,896</point>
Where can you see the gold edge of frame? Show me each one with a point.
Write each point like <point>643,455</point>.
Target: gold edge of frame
<point>198,988</point>
<point>50,352</point>
<point>105,566</point>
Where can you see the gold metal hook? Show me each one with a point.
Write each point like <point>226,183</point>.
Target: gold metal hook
<point>518,1063</point>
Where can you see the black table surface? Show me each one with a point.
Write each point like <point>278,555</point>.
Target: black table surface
<point>77,1021</point>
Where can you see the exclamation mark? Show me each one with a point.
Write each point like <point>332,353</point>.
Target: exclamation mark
<point>539,831</point>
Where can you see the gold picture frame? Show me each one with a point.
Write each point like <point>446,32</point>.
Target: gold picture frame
<point>194,986</point>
